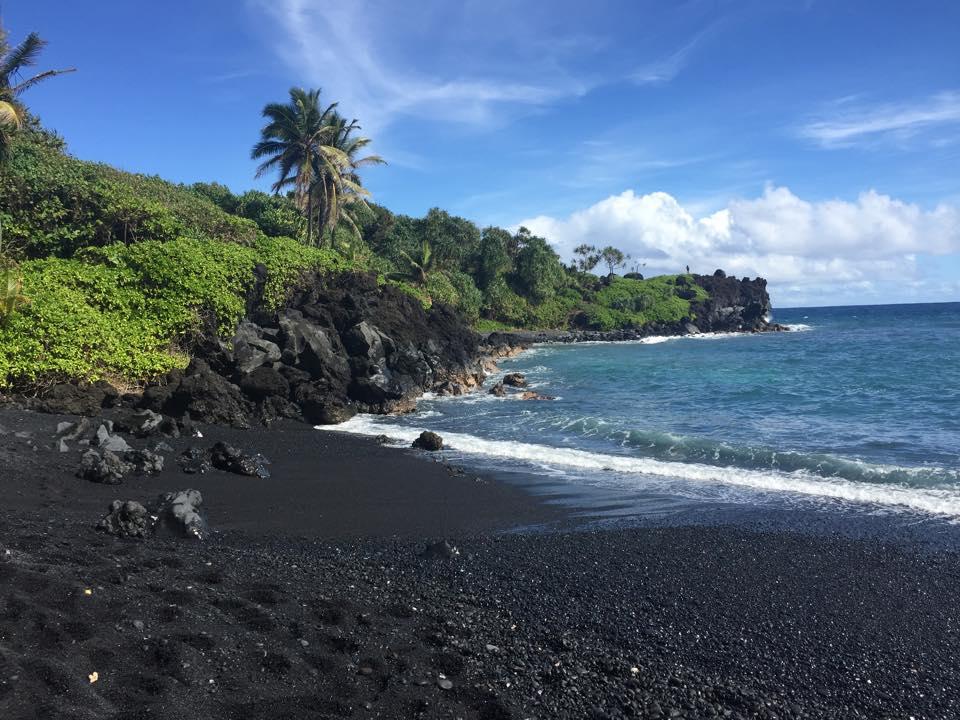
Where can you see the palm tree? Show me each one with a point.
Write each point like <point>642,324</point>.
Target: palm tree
<point>13,60</point>
<point>417,267</point>
<point>296,142</point>
<point>341,187</point>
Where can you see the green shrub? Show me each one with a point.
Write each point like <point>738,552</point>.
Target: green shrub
<point>131,311</point>
<point>53,204</point>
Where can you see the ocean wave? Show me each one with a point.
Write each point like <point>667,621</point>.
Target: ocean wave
<point>677,448</point>
<point>799,327</point>
<point>634,471</point>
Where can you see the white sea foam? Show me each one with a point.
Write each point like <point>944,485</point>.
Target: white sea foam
<point>632,471</point>
<point>799,327</point>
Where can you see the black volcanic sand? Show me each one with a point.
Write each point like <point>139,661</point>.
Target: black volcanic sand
<point>277,617</point>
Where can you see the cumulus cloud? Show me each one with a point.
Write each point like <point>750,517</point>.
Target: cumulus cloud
<point>802,247</point>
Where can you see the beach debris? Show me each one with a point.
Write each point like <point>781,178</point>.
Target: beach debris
<point>94,676</point>
<point>515,380</point>
<point>88,592</point>
<point>228,458</point>
<point>444,683</point>
<point>179,512</point>
<point>107,469</point>
<point>429,441</point>
<point>143,423</point>
<point>126,518</point>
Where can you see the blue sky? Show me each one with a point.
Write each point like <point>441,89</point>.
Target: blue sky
<point>816,143</point>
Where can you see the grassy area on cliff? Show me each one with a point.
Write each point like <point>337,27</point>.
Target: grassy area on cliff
<point>120,271</point>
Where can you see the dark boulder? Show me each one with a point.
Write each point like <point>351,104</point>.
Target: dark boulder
<point>250,349</point>
<point>230,459</point>
<point>126,519</point>
<point>194,461</point>
<point>515,380</point>
<point>320,407</point>
<point>180,513</point>
<point>265,382</point>
<point>429,441</point>
<point>80,399</point>
<point>145,462</point>
<point>531,395</point>
<point>139,423</point>
<point>107,468</point>
<point>498,390</point>
<point>311,347</point>
<point>207,397</point>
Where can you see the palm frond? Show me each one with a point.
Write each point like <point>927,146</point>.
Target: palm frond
<point>39,78</point>
<point>23,55</point>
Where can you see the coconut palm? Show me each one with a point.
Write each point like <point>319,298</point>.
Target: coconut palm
<point>13,60</point>
<point>419,266</point>
<point>296,143</point>
<point>340,189</point>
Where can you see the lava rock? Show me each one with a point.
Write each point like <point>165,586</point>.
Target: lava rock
<point>107,468</point>
<point>179,513</point>
<point>265,382</point>
<point>230,459</point>
<point>145,461</point>
<point>429,441</point>
<point>194,461</point>
<point>126,519</point>
<point>251,350</point>
<point>205,395</point>
<point>515,380</point>
<point>498,390</point>
<point>532,395</point>
<point>109,442</point>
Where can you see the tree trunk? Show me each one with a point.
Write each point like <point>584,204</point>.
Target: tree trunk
<point>310,218</point>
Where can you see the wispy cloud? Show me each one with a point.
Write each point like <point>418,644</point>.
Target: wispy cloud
<point>667,68</point>
<point>854,124</point>
<point>350,49</point>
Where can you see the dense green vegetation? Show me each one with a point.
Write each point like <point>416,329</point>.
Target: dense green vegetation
<point>105,273</point>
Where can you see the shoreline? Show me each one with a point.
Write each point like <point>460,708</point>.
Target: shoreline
<point>312,597</point>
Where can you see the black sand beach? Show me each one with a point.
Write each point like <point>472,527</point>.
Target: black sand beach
<point>311,598</point>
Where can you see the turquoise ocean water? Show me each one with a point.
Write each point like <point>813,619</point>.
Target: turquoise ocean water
<point>856,408</point>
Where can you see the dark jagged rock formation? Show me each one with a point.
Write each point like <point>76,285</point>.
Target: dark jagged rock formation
<point>342,345</point>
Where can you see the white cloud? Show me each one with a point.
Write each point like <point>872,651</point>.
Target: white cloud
<point>350,50</point>
<point>803,248</point>
<point>854,124</point>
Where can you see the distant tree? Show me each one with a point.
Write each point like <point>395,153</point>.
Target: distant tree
<point>453,239</point>
<point>493,257</point>
<point>613,258</point>
<point>587,257</point>
<point>538,271</point>
<point>13,60</point>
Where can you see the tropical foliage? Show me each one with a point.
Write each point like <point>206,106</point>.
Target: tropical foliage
<point>114,274</point>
